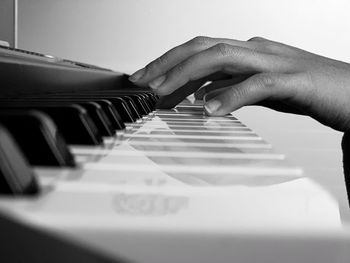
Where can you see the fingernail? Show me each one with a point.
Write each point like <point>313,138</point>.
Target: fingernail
<point>212,106</point>
<point>157,82</point>
<point>137,75</point>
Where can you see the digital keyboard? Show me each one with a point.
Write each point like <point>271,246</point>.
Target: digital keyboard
<point>102,167</point>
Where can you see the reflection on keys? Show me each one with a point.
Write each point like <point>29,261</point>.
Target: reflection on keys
<point>106,169</point>
<point>163,149</point>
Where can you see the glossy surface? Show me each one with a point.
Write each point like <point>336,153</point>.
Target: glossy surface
<point>190,184</point>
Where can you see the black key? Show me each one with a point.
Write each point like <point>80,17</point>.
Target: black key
<point>153,97</point>
<point>119,115</point>
<point>75,124</point>
<point>107,112</point>
<point>100,118</point>
<point>148,101</point>
<point>145,102</point>
<point>132,107</point>
<point>139,104</point>
<point>16,177</point>
<point>106,106</point>
<point>112,113</point>
<point>38,138</point>
<point>123,109</point>
<point>98,112</point>
<point>72,120</point>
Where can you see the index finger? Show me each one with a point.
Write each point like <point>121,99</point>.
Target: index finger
<point>219,58</point>
<point>178,54</point>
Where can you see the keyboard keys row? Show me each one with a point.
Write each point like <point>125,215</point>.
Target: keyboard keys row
<point>39,129</point>
<point>37,137</point>
<point>16,176</point>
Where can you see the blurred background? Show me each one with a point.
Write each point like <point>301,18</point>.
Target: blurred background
<point>126,34</point>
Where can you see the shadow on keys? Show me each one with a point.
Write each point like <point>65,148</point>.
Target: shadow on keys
<point>20,243</point>
<point>346,161</point>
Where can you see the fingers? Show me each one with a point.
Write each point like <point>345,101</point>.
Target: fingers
<point>212,94</point>
<point>174,98</point>
<point>257,88</point>
<point>171,100</point>
<point>178,54</point>
<point>199,94</point>
<point>182,52</point>
<point>221,57</point>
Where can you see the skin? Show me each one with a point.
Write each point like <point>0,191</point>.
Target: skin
<point>254,72</point>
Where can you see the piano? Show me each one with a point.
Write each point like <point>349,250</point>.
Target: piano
<point>90,160</point>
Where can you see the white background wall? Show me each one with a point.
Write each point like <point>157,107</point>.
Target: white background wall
<point>126,34</point>
<point>7,21</point>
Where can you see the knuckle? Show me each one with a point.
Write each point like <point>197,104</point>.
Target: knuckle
<point>268,47</point>
<point>200,41</point>
<point>157,64</point>
<point>179,69</point>
<point>149,67</point>
<point>162,60</point>
<point>237,94</point>
<point>265,80</point>
<point>257,39</point>
<point>224,49</point>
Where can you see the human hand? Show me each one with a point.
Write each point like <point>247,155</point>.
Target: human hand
<point>253,72</point>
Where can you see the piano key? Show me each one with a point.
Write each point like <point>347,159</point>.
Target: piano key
<point>193,123</point>
<point>138,98</point>
<point>153,97</point>
<point>194,139</point>
<point>252,137</point>
<point>198,104</point>
<point>138,105</point>
<point>112,113</point>
<point>75,124</point>
<point>187,167</point>
<point>16,176</point>
<point>188,153</point>
<point>148,100</point>
<point>38,138</point>
<point>176,128</point>
<point>188,125</point>
<point>95,111</point>
<point>134,111</point>
<point>99,117</point>
<point>238,148</point>
<point>191,132</point>
<point>191,115</point>
<point>181,113</point>
<point>123,109</point>
<point>139,101</point>
<point>198,111</point>
<point>121,106</point>
<point>195,119</point>
<point>206,146</point>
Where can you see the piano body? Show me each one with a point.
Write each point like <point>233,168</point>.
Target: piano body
<point>87,158</point>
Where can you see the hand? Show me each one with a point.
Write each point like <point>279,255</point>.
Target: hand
<point>253,72</point>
